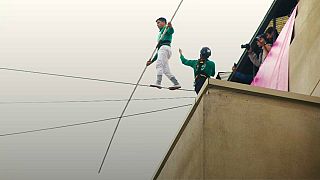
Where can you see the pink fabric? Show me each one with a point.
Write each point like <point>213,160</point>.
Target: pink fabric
<point>273,72</point>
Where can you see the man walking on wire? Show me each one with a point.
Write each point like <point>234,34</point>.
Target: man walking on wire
<point>163,54</point>
<point>202,68</point>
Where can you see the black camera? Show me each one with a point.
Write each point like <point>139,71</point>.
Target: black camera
<point>264,36</point>
<point>245,46</point>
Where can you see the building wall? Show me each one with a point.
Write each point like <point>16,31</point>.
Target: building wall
<point>304,63</point>
<point>260,137</point>
<point>186,161</point>
<point>248,132</point>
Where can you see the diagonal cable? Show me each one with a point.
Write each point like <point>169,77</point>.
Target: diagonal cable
<point>125,107</point>
<point>91,122</point>
<point>91,101</point>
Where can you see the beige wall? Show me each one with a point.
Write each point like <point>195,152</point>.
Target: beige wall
<point>304,61</point>
<point>188,166</point>
<point>239,131</point>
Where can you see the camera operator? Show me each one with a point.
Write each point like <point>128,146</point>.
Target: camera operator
<point>257,60</point>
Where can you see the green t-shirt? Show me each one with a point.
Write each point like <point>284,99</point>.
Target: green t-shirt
<point>166,37</point>
<point>208,67</point>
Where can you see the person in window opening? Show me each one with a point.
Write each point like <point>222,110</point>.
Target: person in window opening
<point>203,68</point>
<point>264,42</point>
<point>257,60</point>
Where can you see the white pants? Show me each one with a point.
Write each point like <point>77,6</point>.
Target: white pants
<point>162,66</point>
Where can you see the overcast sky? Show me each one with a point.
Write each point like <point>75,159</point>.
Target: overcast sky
<point>109,40</point>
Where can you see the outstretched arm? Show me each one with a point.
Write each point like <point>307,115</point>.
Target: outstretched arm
<point>150,61</point>
<point>184,60</point>
<point>155,58</point>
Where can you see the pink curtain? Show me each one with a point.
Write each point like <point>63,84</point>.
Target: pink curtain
<point>273,73</point>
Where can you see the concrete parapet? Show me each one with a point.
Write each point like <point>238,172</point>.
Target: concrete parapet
<point>244,132</point>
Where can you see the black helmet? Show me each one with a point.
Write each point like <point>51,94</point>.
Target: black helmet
<point>205,52</point>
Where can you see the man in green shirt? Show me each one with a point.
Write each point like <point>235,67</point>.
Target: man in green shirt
<point>163,54</point>
<point>203,68</point>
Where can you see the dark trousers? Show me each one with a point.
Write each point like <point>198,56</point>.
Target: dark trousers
<point>199,83</point>
<point>244,78</point>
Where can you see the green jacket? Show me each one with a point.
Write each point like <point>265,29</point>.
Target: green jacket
<point>208,67</point>
<point>166,37</point>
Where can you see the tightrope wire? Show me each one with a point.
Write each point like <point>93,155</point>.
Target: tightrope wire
<point>82,78</point>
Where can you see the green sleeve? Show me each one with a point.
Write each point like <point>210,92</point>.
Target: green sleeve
<point>213,69</point>
<point>186,62</point>
<point>154,58</point>
<point>170,31</point>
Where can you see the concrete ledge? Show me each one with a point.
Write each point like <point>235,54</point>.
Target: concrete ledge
<point>247,89</point>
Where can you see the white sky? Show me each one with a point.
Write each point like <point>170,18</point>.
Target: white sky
<point>109,40</point>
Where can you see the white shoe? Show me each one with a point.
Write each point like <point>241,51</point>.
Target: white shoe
<point>156,85</point>
<point>174,87</point>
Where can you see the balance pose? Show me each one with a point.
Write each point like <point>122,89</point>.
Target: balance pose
<point>163,54</point>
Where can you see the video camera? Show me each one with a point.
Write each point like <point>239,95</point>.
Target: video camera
<point>245,46</point>
<point>248,46</point>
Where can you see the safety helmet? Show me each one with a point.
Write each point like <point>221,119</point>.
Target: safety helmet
<point>205,52</point>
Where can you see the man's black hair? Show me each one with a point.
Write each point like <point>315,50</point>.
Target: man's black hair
<point>261,36</point>
<point>162,19</point>
<point>271,30</point>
